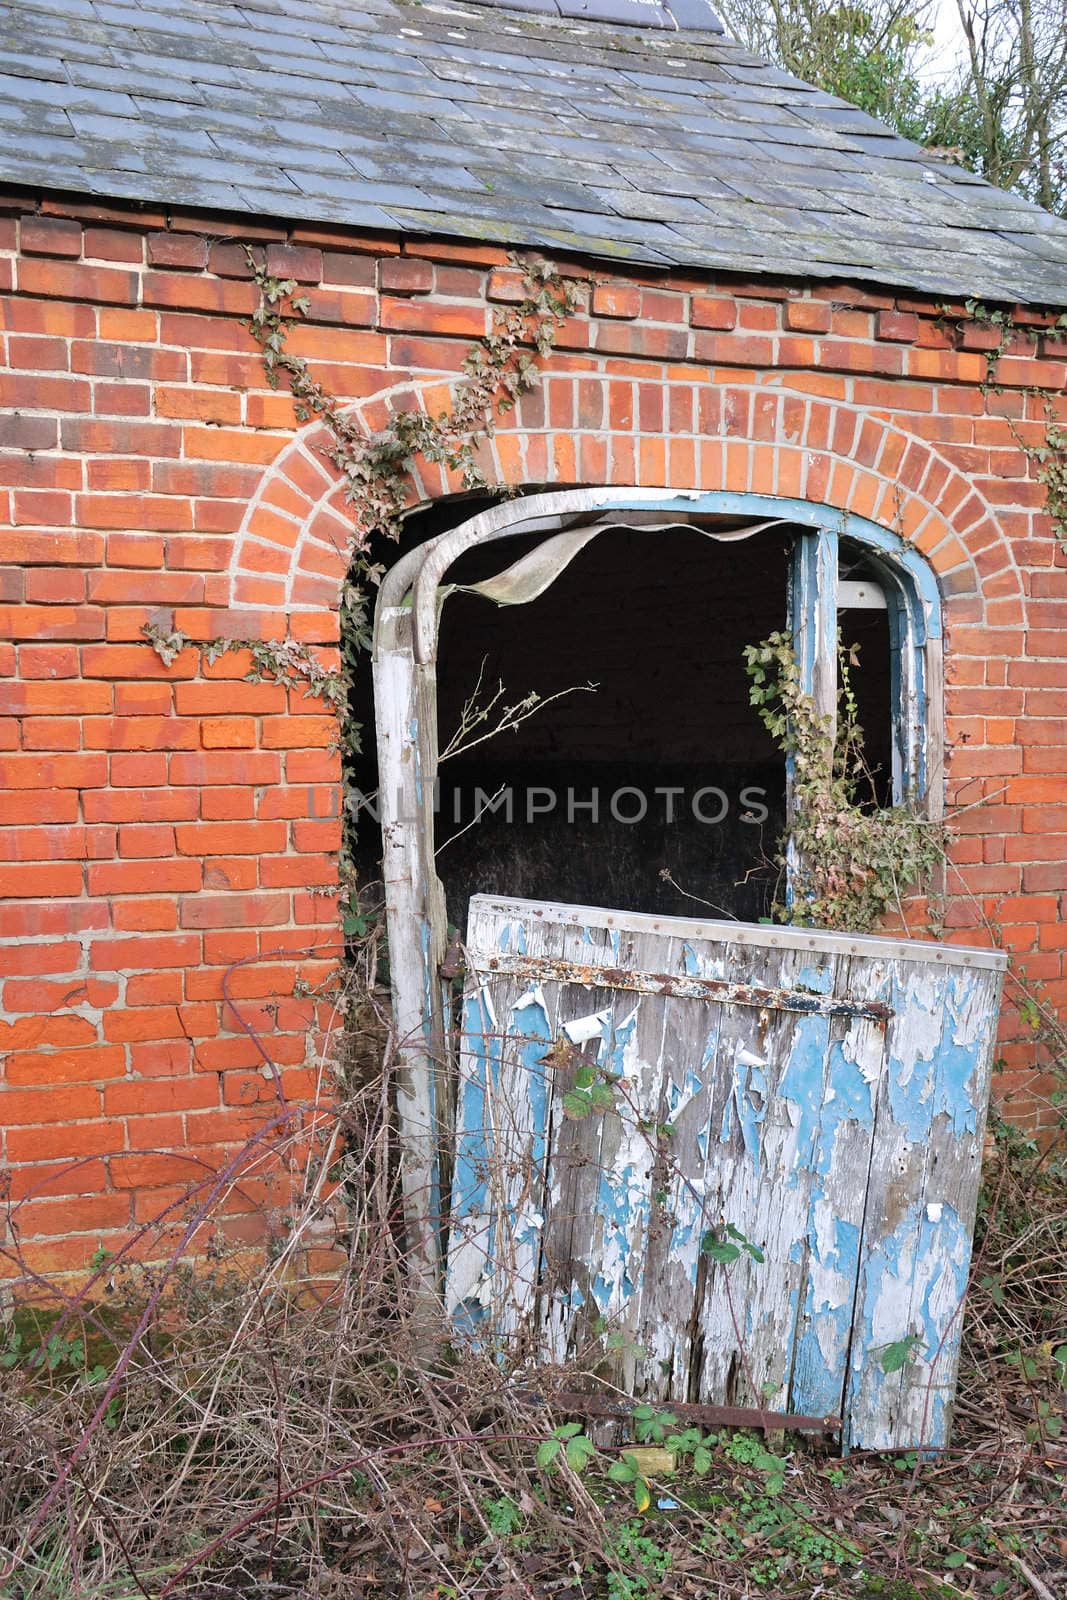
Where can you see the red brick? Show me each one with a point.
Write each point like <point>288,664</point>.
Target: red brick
<point>405,275</point>
<point>50,236</point>
<point>33,995</point>
<point>230,839</point>
<point>151,805</point>
<point>141,1023</point>
<point>113,244</point>
<point>228,733</point>
<point>88,1214</point>
<point>807,316</point>
<point>159,1094</point>
<point>152,1171</point>
<point>49,1106</point>
<point>144,877</point>
<point>44,547</point>
<point>66,1066</point>
<point>48,661</point>
<point>63,280</point>
<point>118,955</point>
<point>294,261</point>
<point>182,250</point>
<point>713,313</point>
<point>144,916</point>
<point>51,622</point>
<point>235,911</point>
<point>44,698</point>
<point>57,586</point>
<point>53,772</point>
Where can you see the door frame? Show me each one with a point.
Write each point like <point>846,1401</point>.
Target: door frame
<point>404,665</point>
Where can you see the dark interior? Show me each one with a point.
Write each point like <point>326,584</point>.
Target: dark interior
<point>657,621</point>
<point>866,643</point>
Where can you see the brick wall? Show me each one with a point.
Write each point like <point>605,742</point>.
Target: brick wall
<point>161,823</point>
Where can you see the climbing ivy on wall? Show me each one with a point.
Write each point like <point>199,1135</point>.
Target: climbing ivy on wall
<point>376,473</point>
<point>1050,457</point>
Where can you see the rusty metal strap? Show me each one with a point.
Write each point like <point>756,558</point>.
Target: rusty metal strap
<point>715,1416</point>
<point>545,969</point>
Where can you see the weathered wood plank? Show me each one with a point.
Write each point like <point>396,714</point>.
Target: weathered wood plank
<point>922,1196</point>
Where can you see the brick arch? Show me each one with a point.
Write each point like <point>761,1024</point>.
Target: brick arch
<point>289,554</point>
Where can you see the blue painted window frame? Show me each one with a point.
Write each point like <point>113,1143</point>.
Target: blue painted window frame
<point>914,617</point>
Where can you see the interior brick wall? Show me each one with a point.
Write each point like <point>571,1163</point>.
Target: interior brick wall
<point>168,830</point>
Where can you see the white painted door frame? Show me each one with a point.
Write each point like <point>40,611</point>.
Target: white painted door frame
<point>406,631</point>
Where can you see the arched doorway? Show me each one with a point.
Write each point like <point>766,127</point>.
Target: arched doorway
<point>554,531</point>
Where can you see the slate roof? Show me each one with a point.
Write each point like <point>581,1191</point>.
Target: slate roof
<point>640,144</point>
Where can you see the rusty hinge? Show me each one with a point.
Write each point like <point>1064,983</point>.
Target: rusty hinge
<point>545,969</point>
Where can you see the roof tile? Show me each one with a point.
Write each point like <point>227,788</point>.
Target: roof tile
<point>635,143</point>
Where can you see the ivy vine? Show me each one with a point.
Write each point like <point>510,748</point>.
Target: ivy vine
<point>377,473</point>
<point>1049,458</point>
<point>849,860</point>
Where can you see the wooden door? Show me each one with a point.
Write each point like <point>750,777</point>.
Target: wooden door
<point>643,1097</point>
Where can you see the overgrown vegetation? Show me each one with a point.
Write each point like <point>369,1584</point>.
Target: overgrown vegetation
<point>248,1429</point>
<point>847,861</point>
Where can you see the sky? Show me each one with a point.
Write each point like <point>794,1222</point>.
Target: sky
<point>948,40</point>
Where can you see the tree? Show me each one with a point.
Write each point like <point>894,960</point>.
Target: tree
<point>1008,105</point>
<point>868,51</point>
<point>1001,110</point>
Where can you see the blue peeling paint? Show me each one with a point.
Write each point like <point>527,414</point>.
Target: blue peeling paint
<point>601,1292</point>
<point>537,1036</point>
<point>939,1084</point>
<point>750,1114</point>
<point>689,958</point>
<point>852,1101</point>
<point>819,1363</point>
<point>473,1149</point>
<point>802,1084</point>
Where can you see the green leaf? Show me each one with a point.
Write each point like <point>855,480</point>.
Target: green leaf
<point>602,1097</point>
<point>548,1451</point>
<point>895,1356</point>
<point>702,1461</point>
<point>956,1559</point>
<point>567,1430</point>
<point>718,1249</point>
<point>642,1494</point>
<point>577,1103</point>
<point>579,1452</point>
<point>585,1077</point>
<point>623,1471</point>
